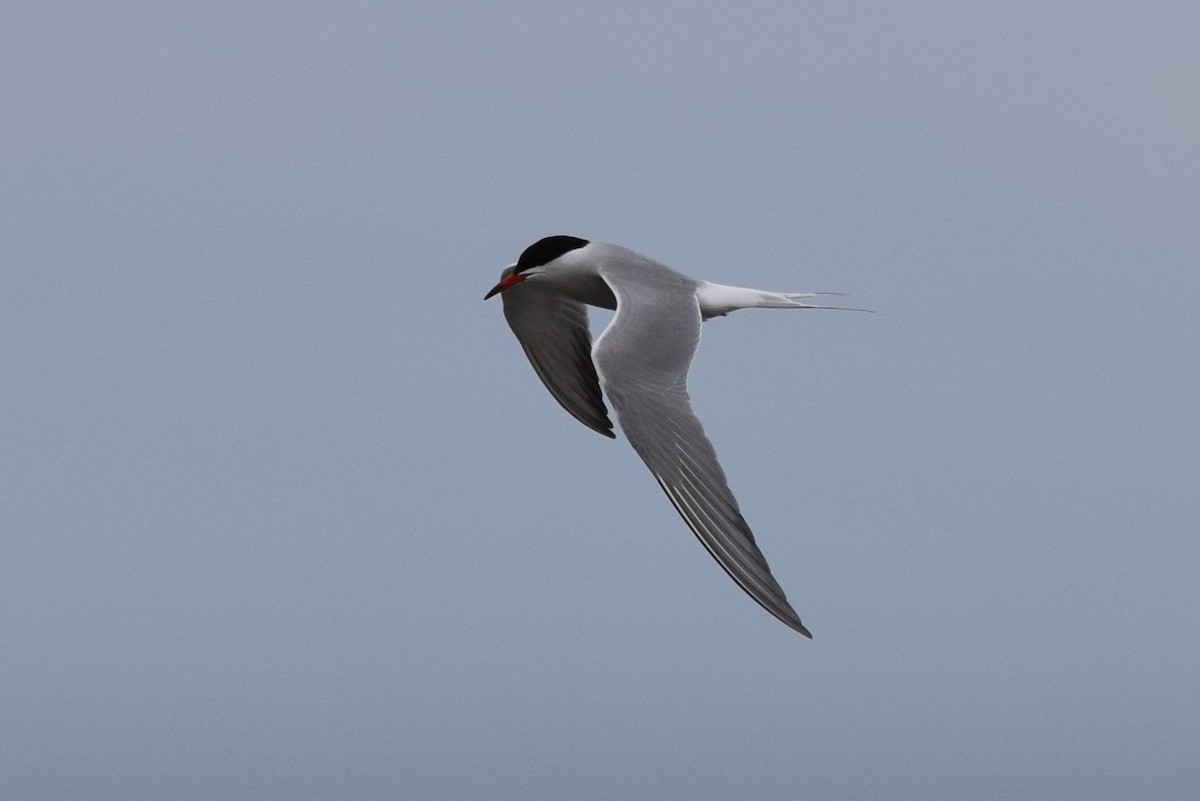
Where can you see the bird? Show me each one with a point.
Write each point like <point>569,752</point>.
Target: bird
<point>640,363</point>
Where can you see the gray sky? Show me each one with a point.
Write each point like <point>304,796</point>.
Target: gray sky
<point>284,513</point>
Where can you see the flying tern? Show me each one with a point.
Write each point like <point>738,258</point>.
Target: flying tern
<point>641,363</point>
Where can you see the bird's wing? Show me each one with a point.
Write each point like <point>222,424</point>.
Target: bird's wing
<point>553,331</point>
<point>642,359</point>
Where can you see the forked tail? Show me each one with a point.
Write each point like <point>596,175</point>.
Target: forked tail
<point>717,300</point>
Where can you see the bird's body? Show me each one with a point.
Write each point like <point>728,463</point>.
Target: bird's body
<point>641,362</point>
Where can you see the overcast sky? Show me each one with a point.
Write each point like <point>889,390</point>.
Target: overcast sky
<point>285,514</point>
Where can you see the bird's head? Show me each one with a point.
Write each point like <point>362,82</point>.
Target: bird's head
<point>534,261</point>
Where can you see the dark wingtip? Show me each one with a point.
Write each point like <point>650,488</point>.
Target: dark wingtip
<point>604,426</point>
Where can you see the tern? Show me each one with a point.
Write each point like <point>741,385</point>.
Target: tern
<point>641,363</point>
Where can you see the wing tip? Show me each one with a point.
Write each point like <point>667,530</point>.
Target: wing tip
<point>788,617</point>
<point>603,426</point>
